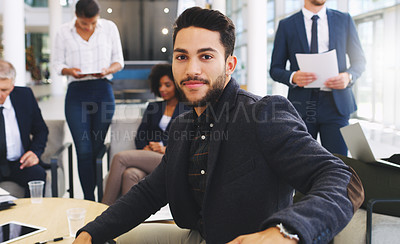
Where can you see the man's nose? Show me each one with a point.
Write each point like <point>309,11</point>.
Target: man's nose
<point>193,67</point>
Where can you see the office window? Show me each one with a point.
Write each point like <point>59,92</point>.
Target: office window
<point>44,3</point>
<point>376,89</point>
<point>357,7</point>
<point>292,5</point>
<point>270,10</point>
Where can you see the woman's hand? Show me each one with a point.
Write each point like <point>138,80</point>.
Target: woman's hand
<point>75,72</point>
<point>157,147</point>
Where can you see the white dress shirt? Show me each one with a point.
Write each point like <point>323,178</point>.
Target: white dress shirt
<point>15,148</point>
<point>101,50</point>
<point>323,28</point>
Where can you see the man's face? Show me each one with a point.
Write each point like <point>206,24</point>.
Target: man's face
<point>86,24</point>
<point>6,87</point>
<point>199,66</point>
<point>317,2</point>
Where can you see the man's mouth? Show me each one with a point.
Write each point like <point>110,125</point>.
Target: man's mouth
<point>192,84</point>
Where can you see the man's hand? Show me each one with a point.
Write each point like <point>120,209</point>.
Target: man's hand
<point>268,236</point>
<point>28,160</point>
<point>157,147</point>
<point>83,238</point>
<point>75,72</point>
<point>302,79</point>
<point>338,82</point>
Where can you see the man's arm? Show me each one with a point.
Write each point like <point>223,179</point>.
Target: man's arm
<point>38,130</point>
<point>354,51</point>
<point>356,57</point>
<point>280,56</point>
<point>269,236</point>
<point>130,210</point>
<point>333,190</point>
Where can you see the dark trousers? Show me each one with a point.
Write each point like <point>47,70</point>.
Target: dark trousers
<point>23,176</point>
<point>322,117</point>
<point>89,108</point>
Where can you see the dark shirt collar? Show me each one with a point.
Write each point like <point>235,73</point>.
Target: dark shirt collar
<point>225,101</point>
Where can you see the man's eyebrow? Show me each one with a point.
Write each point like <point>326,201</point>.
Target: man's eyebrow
<point>201,50</point>
<point>180,50</point>
<point>206,49</point>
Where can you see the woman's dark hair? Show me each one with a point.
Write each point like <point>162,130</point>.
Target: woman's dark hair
<point>87,8</point>
<point>212,20</point>
<point>156,73</point>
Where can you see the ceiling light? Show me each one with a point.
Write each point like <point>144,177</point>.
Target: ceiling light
<point>163,49</point>
<point>164,31</point>
<point>166,10</point>
<point>109,10</point>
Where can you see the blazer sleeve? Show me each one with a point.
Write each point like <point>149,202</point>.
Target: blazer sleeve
<point>354,51</point>
<point>280,56</point>
<point>145,128</point>
<point>333,190</point>
<point>38,130</point>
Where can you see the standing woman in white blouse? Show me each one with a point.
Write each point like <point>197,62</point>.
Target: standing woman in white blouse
<point>88,50</point>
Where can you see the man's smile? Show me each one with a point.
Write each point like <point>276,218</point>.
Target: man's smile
<point>192,84</point>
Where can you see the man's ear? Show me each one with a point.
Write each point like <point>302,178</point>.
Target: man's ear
<point>230,66</point>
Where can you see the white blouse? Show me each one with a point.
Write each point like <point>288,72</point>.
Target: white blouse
<point>100,51</point>
<point>164,122</point>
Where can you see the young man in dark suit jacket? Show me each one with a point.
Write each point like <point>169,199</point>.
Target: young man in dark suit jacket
<point>25,132</point>
<point>231,163</point>
<point>328,109</point>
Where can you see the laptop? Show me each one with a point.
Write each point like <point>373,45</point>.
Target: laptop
<point>358,145</point>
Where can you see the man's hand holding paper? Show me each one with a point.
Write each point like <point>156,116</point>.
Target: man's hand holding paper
<point>319,70</point>
<point>302,79</point>
<point>338,82</point>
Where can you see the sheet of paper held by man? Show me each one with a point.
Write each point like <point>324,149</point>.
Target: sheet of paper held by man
<point>324,65</point>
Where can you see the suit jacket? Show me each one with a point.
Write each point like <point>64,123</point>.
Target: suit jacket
<point>291,38</point>
<point>259,151</point>
<point>31,125</point>
<point>149,129</point>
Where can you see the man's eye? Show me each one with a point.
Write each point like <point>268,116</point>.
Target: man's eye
<point>207,56</point>
<point>180,57</point>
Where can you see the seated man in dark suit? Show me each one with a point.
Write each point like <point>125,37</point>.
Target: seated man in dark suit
<point>23,132</point>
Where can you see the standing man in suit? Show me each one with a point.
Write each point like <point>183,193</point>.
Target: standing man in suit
<point>328,109</point>
<point>23,132</point>
<point>231,162</point>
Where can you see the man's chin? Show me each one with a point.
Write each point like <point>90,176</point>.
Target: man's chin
<point>196,104</point>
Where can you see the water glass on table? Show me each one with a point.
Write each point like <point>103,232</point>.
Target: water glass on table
<point>76,219</point>
<point>36,190</point>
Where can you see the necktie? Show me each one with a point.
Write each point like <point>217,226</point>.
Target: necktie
<point>314,35</point>
<point>4,167</point>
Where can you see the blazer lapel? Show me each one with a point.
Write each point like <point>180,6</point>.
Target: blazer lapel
<point>226,104</point>
<point>301,31</point>
<point>332,29</point>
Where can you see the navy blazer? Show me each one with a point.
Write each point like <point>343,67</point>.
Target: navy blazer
<point>259,151</point>
<point>291,38</point>
<point>149,129</point>
<point>32,128</point>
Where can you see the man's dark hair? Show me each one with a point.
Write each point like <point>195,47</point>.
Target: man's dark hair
<point>156,73</point>
<point>212,20</point>
<point>87,8</point>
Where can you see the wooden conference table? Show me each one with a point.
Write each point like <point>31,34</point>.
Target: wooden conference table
<point>51,214</point>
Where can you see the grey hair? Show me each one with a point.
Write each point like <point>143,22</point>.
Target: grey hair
<point>7,71</point>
